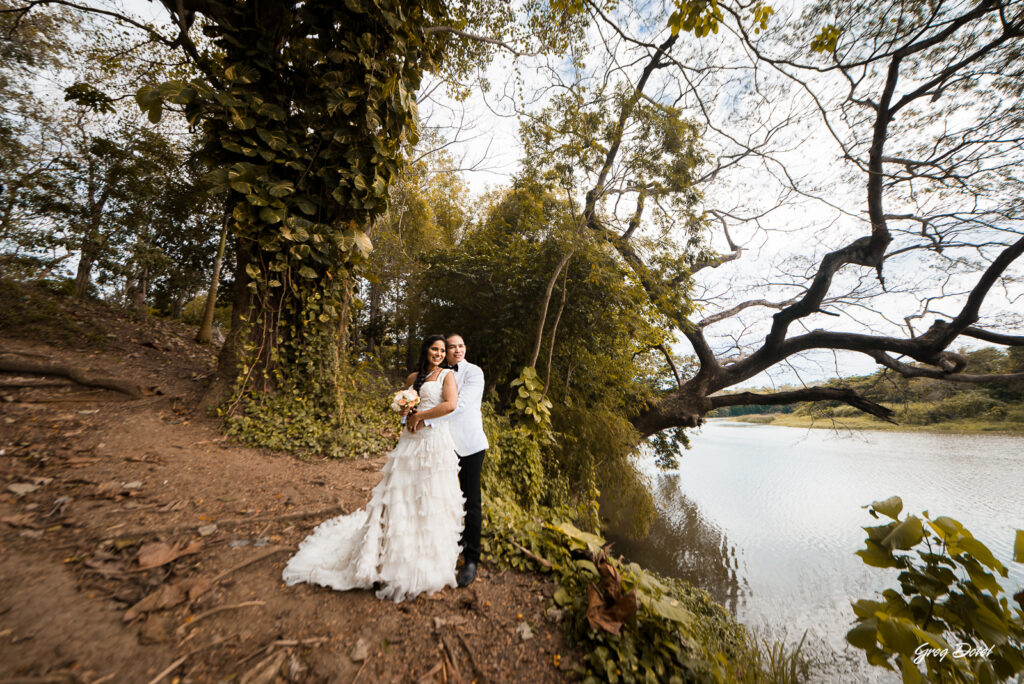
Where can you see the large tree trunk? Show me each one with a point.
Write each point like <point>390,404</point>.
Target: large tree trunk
<point>206,327</point>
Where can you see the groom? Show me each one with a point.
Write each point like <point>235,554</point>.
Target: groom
<point>467,428</point>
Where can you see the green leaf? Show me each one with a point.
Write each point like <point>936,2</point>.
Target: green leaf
<point>980,552</point>
<point>896,636</point>
<point>909,671</point>
<point>864,635</point>
<point>877,556</point>
<point>146,96</point>
<point>280,188</point>
<point>946,527</point>
<point>273,214</point>
<point>272,111</point>
<point>276,140</point>
<point>242,73</point>
<point>561,596</point>
<point>363,243</point>
<point>307,272</point>
<point>891,507</point>
<point>865,609</point>
<point>905,535</point>
<point>1018,547</point>
<point>670,609</point>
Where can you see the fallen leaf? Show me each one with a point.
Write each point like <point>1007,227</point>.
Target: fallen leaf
<point>360,651</point>
<point>155,630</point>
<point>108,489</point>
<point>22,488</point>
<point>20,520</point>
<point>166,596</point>
<point>524,632</point>
<point>155,554</point>
<point>196,587</point>
<point>607,607</point>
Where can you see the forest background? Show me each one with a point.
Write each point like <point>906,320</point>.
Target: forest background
<point>668,223</point>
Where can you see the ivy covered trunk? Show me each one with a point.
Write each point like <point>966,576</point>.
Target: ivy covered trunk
<point>306,116</point>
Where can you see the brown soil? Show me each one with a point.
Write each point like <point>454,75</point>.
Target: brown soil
<point>115,476</point>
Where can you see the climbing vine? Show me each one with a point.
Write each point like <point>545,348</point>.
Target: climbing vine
<point>306,111</point>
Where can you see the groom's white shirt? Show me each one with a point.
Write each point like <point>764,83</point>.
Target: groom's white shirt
<point>466,422</point>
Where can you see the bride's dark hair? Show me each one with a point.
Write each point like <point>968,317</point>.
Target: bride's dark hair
<point>421,367</point>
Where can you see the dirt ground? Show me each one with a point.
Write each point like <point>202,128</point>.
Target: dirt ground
<point>137,544</point>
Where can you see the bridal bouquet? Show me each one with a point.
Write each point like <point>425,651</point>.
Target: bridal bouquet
<point>405,399</point>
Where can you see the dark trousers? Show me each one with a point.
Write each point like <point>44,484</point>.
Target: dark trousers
<point>469,481</point>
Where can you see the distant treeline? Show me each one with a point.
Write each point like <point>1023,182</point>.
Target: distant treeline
<point>926,401</point>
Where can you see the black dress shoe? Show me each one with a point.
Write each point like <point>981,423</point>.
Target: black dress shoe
<point>467,574</point>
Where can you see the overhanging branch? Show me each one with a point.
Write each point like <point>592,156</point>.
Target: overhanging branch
<point>843,394</point>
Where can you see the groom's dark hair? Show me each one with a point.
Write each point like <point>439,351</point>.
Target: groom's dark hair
<point>452,334</point>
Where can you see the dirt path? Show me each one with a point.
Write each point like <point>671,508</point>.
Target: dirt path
<point>137,543</point>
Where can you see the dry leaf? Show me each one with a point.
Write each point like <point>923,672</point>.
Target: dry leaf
<point>196,587</point>
<point>109,489</point>
<point>607,607</point>
<point>20,520</point>
<point>155,554</point>
<point>166,596</point>
<point>155,630</point>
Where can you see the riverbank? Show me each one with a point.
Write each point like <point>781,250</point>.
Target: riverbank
<point>866,422</point>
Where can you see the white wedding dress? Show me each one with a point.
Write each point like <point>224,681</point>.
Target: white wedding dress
<point>407,537</point>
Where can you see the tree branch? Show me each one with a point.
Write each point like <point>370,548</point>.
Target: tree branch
<point>843,394</point>
<point>997,338</point>
<point>908,371</point>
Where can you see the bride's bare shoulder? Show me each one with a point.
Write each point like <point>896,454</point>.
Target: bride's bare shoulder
<point>411,379</point>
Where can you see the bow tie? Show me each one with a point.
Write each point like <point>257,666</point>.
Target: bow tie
<point>455,368</point>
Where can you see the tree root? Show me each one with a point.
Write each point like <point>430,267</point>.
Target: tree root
<point>258,557</point>
<point>74,374</point>
<point>233,522</point>
<point>214,611</point>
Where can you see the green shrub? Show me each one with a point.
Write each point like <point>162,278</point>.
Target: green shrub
<point>677,634</point>
<point>192,313</point>
<point>949,616</point>
<point>287,420</point>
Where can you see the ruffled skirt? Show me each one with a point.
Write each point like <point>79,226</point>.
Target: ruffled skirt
<point>407,537</point>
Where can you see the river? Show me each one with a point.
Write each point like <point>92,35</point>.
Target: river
<point>767,519</point>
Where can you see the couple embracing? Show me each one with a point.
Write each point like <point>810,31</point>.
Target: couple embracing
<point>406,541</point>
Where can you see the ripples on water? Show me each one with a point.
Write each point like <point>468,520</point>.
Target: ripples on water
<point>768,518</point>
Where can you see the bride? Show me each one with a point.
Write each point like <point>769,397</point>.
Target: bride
<point>406,540</point>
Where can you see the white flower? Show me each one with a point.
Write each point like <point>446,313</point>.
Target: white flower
<point>405,399</point>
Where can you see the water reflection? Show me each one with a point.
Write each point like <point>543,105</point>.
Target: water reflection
<point>682,543</point>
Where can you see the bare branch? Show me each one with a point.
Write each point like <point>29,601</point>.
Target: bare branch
<point>843,394</point>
